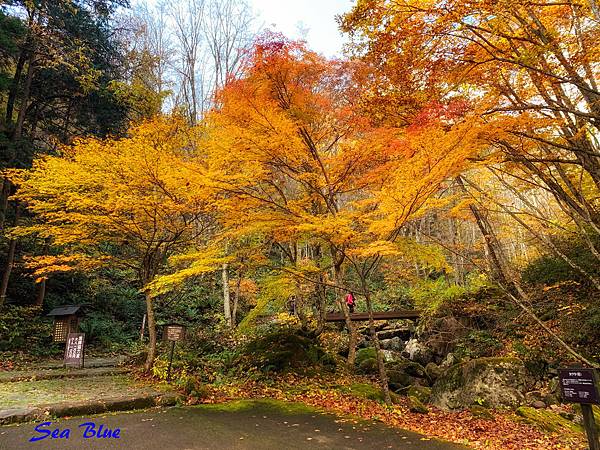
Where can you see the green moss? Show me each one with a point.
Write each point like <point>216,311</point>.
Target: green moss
<point>283,350</point>
<point>368,391</point>
<point>416,405</point>
<point>595,409</point>
<point>364,354</point>
<point>368,366</point>
<point>398,379</point>
<point>455,376</point>
<point>364,390</point>
<point>480,412</point>
<point>267,405</point>
<point>548,420</point>
<point>421,392</point>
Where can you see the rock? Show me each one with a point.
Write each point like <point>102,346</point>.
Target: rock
<point>412,368</point>
<point>402,333</point>
<point>416,406</point>
<point>398,380</point>
<point>551,399</point>
<point>421,392</point>
<point>433,371</point>
<point>415,351</point>
<point>368,366</point>
<point>548,420</point>
<point>494,382</point>
<point>395,344</point>
<point>390,356</point>
<point>533,396</point>
<point>365,353</point>
<point>480,412</point>
<point>449,361</point>
<point>538,404</point>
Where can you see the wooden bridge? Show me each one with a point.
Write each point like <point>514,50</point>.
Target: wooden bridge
<point>399,314</point>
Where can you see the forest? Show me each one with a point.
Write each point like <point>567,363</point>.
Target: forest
<point>179,162</point>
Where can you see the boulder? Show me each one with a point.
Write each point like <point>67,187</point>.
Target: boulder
<point>409,367</point>
<point>449,361</point>
<point>493,382</point>
<point>394,344</point>
<point>480,412</point>
<point>368,366</point>
<point>391,357</point>
<point>433,371</point>
<point>397,380</point>
<point>416,406</point>
<point>365,353</point>
<point>538,404</point>
<point>421,392</point>
<point>402,333</point>
<point>415,351</point>
<point>548,420</point>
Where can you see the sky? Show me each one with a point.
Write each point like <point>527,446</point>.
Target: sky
<point>315,17</point>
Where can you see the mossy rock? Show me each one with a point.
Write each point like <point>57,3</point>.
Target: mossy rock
<point>480,412</point>
<point>595,409</point>
<point>410,367</point>
<point>364,354</point>
<point>494,382</point>
<point>368,391</point>
<point>421,392</point>
<point>433,371</point>
<point>398,380</point>
<point>416,405</point>
<point>283,350</point>
<point>368,366</point>
<point>548,420</point>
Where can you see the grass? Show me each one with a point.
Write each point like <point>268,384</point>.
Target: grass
<point>265,405</point>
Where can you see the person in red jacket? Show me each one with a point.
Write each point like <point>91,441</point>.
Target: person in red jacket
<point>350,301</point>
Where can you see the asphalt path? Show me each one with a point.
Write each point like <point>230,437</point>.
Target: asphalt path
<point>257,427</point>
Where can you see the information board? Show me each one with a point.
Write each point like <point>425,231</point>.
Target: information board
<point>74,349</point>
<point>579,385</point>
<point>174,332</point>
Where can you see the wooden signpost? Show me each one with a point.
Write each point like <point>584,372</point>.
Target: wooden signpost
<point>580,385</point>
<point>173,332</point>
<point>75,350</point>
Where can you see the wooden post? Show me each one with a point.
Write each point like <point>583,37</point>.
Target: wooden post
<point>590,426</point>
<point>171,362</point>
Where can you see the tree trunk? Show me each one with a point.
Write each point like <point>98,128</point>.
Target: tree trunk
<point>26,94</point>
<point>352,332</point>
<point>226,296</point>
<point>10,260</point>
<point>383,379</point>
<point>236,300</point>
<point>151,334</point>
<point>4,194</point>
<point>40,293</point>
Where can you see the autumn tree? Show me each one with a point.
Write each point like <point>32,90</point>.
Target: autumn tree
<point>530,71</point>
<point>294,160</point>
<point>124,202</point>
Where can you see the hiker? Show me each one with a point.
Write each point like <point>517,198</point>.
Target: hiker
<point>350,302</point>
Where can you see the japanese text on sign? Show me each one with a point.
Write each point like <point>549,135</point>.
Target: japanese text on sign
<point>74,349</point>
<point>579,385</point>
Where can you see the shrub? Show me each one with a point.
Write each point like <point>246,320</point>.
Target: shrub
<point>23,328</point>
<point>283,350</point>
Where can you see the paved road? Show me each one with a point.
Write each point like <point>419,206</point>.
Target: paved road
<point>257,427</point>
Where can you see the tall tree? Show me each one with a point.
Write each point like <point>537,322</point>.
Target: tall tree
<point>123,202</point>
